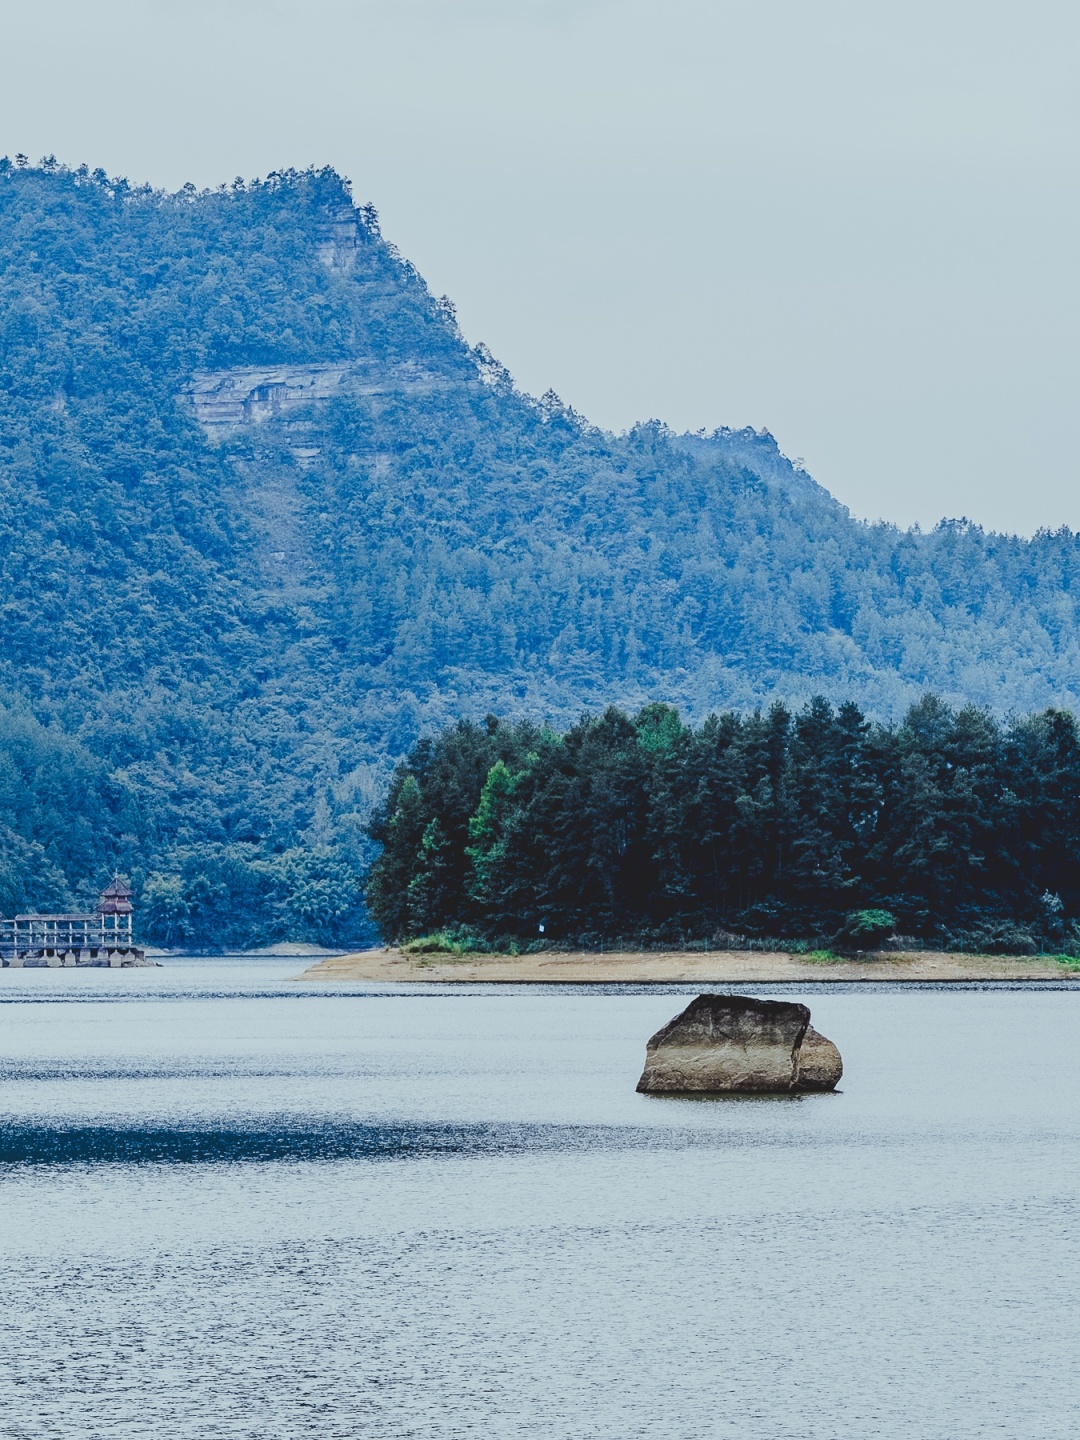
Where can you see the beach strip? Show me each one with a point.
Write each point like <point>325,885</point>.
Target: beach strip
<point>682,967</point>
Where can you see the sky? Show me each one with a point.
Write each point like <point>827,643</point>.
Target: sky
<point>852,222</point>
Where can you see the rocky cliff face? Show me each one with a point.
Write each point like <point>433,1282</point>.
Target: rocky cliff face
<point>339,241</point>
<point>224,400</point>
<point>735,1044</point>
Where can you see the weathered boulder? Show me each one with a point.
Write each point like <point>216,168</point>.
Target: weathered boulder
<point>820,1066</point>
<point>732,1043</point>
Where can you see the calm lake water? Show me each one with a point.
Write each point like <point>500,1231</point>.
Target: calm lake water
<point>233,1206</point>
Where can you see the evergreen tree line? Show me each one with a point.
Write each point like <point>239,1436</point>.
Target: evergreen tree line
<point>780,824</point>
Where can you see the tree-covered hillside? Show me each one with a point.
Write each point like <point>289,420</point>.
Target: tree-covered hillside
<point>267,517</point>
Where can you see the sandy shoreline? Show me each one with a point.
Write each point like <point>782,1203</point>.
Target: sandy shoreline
<point>719,967</point>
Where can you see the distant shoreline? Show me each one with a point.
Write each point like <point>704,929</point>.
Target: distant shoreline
<point>673,967</point>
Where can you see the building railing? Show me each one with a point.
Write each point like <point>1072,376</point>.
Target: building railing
<point>29,935</point>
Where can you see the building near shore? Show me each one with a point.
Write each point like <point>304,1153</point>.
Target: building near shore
<point>102,938</point>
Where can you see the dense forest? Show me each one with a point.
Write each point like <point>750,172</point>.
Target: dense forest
<point>223,627</point>
<point>948,827</point>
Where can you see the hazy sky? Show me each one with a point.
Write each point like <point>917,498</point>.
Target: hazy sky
<point>851,221</point>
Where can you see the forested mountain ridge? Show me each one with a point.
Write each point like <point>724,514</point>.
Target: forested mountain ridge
<point>267,517</point>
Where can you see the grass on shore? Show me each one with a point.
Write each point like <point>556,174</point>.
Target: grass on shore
<point>445,947</point>
<point>830,957</point>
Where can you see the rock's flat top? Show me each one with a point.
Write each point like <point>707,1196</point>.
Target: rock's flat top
<point>673,967</point>
<point>735,1020</point>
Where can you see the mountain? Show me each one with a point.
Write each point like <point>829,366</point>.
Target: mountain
<point>267,516</point>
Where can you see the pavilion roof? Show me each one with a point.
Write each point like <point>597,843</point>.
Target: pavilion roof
<point>115,898</point>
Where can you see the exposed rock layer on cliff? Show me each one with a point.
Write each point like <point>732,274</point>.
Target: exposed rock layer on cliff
<point>732,1043</point>
<point>252,394</point>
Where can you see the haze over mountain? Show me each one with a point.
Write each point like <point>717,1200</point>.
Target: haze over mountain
<point>267,516</point>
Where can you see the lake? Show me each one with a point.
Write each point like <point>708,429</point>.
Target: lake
<point>235,1206</point>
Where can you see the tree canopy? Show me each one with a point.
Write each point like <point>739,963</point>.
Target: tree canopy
<point>956,828</point>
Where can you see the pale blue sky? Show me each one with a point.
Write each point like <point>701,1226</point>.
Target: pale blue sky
<point>852,222</point>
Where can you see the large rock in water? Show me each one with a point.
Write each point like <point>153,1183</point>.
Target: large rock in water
<point>730,1043</point>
